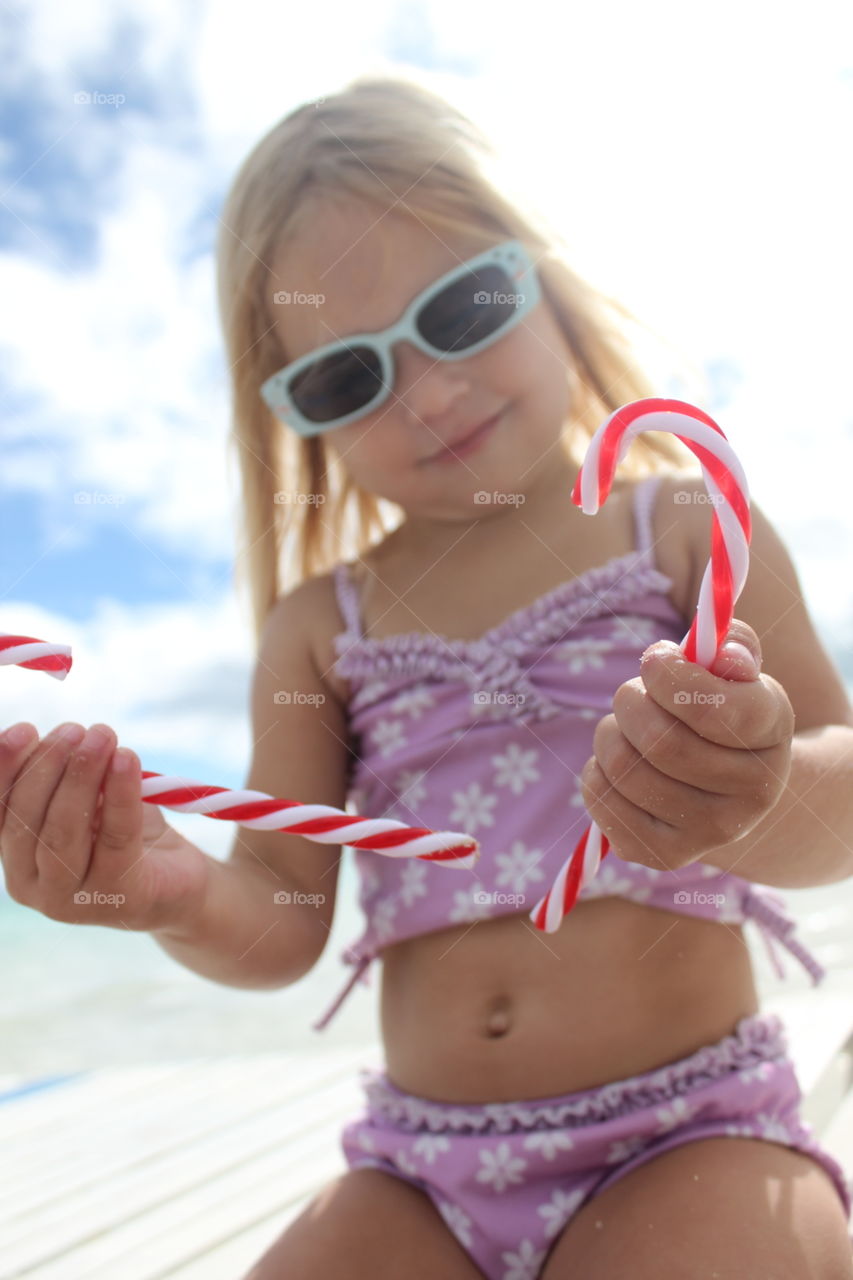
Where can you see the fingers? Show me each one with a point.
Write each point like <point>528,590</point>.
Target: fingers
<point>742,714</point>
<point>50,798</point>
<point>120,819</point>
<point>63,849</point>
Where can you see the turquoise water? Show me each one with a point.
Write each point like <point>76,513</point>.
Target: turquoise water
<point>79,997</point>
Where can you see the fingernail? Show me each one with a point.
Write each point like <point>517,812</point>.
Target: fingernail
<point>70,733</point>
<point>95,739</point>
<point>661,649</point>
<point>736,650</point>
<point>19,734</point>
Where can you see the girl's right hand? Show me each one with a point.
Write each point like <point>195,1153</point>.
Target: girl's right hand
<point>79,844</point>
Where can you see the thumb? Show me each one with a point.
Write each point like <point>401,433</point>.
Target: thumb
<point>154,825</point>
<point>739,657</point>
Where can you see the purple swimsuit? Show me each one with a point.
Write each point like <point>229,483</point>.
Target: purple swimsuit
<point>489,737</point>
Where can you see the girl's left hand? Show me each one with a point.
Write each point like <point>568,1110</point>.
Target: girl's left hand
<point>690,759</point>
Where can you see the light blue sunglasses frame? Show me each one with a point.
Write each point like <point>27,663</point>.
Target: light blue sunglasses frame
<point>511,256</point>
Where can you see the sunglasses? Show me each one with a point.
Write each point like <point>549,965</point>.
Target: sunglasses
<point>462,312</point>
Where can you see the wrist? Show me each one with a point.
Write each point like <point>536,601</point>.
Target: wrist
<point>185,918</point>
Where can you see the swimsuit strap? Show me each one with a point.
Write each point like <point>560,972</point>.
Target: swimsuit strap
<point>347,597</point>
<point>645,492</point>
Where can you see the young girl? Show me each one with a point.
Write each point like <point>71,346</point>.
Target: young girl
<point>410,349</point>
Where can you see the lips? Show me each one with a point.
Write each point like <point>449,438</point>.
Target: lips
<point>463,439</point>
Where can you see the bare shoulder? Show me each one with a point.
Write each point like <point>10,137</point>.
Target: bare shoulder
<point>678,533</point>
<point>324,621</point>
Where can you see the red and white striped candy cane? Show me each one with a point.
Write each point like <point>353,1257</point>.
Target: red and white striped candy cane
<point>320,822</point>
<point>38,655</point>
<point>725,573</point>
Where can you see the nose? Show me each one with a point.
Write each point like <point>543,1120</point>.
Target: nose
<point>426,386</point>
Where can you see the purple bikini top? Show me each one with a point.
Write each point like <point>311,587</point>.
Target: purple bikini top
<point>489,737</point>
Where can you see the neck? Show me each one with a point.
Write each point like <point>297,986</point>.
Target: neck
<point>546,509</point>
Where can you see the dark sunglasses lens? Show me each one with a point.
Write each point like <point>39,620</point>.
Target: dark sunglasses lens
<point>337,384</point>
<point>469,310</point>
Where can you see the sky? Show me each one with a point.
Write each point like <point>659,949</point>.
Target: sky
<point>696,158</point>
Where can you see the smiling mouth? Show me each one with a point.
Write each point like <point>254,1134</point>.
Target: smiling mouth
<point>470,438</point>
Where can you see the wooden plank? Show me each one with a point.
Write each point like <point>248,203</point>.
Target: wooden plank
<point>47,1112</point>
<point>232,1258</point>
<point>207,1197</point>
<point>205,1098</point>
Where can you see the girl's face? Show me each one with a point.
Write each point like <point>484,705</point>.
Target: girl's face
<point>363,268</point>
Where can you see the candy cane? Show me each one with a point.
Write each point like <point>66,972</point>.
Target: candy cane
<point>38,655</point>
<point>725,574</point>
<point>319,822</point>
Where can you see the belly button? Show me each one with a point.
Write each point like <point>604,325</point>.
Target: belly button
<point>499,1021</point>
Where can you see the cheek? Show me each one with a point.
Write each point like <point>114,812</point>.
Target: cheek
<point>373,454</point>
<point>534,377</point>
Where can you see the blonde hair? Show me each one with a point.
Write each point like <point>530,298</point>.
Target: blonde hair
<point>382,139</point>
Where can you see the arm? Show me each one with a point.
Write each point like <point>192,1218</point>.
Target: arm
<point>250,930</point>
<point>807,837</point>
<point>239,935</point>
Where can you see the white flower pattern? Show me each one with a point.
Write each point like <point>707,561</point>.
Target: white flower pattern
<point>430,1145</point>
<point>413,881</point>
<point>467,907</point>
<point>624,1150</point>
<point>580,654</point>
<point>559,1209</point>
<point>473,808</point>
<point>517,866</point>
<point>458,1221</point>
<point>388,736</point>
<point>678,1112</point>
<point>525,1263</point>
<point>413,701</point>
<point>500,1168</point>
<point>549,1142</point>
<point>632,630</point>
<point>410,787</point>
<point>515,768</point>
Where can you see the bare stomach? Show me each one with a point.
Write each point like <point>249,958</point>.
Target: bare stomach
<point>498,1011</point>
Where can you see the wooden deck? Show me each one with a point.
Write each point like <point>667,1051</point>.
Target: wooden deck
<point>190,1170</point>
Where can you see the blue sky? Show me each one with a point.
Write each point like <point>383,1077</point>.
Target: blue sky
<point>698,160</point>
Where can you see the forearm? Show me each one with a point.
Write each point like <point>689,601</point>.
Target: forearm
<point>241,936</point>
<point>807,837</point>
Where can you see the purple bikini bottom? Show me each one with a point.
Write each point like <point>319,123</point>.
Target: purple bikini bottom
<point>507,1176</point>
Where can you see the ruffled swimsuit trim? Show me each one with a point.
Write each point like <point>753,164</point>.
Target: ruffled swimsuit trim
<point>757,1038</point>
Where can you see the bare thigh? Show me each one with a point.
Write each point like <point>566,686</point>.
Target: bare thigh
<point>367,1225</point>
<point>731,1208</point>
